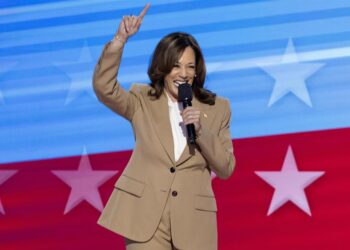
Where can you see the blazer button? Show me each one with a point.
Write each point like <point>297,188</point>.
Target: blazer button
<point>172,169</point>
<point>174,193</point>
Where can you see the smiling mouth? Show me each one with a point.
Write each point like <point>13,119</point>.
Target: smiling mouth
<point>177,83</point>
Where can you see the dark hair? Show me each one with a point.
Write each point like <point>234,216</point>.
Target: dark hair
<point>166,54</point>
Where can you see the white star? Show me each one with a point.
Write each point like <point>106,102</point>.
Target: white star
<point>81,80</point>
<point>290,76</point>
<point>4,176</point>
<point>289,184</point>
<point>84,183</point>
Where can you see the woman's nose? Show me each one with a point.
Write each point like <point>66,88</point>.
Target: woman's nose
<point>183,72</point>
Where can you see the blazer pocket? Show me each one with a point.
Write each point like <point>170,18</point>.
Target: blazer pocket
<point>205,203</point>
<point>130,185</point>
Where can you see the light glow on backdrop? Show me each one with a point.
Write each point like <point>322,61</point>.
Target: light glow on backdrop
<point>282,64</point>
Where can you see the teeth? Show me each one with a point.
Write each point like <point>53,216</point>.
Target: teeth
<point>177,83</point>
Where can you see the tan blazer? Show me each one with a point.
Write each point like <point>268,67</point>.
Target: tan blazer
<point>137,202</point>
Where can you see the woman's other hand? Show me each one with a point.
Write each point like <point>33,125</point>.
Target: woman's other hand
<point>192,115</point>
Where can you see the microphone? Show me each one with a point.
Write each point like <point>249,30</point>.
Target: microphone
<point>185,96</point>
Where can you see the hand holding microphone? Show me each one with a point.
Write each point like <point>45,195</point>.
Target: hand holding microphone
<point>190,115</point>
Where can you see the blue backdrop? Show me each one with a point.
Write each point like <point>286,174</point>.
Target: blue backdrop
<point>283,64</point>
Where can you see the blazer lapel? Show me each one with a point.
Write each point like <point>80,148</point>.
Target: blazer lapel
<point>161,122</point>
<point>186,154</point>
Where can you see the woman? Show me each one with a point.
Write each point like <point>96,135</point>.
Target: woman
<point>164,199</point>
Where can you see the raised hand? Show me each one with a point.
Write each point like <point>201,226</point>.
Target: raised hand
<point>129,25</point>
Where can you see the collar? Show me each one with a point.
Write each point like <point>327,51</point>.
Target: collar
<point>172,104</point>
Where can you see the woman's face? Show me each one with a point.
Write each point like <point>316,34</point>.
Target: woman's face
<point>183,71</point>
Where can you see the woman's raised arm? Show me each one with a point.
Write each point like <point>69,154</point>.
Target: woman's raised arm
<point>105,83</point>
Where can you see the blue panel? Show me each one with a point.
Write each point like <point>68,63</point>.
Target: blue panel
<point>48,50</point>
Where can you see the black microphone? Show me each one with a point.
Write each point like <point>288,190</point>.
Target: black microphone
<point>185,96</point>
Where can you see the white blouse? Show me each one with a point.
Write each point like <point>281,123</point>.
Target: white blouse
<point>178,128</point>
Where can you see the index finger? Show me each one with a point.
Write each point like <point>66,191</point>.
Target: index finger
<point>144,11</point>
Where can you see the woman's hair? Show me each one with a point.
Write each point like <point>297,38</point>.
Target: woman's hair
<point>167,54</point>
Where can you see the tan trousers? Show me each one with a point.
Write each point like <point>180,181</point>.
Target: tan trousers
<point>161,240</point>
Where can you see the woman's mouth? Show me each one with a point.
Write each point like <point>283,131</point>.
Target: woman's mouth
<point>177,83</point>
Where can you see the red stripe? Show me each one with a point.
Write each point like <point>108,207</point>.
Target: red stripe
<point>34,199</point>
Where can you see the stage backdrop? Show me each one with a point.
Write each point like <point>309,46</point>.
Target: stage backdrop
<point>284,65</point>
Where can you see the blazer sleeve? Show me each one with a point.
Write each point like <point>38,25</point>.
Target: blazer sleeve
<point>107,88</point>
<point>218,149</point>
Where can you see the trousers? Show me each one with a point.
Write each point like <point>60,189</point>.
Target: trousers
<point>161,240</point>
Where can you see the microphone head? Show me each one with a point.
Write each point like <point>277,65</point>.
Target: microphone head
<point>185,92</point>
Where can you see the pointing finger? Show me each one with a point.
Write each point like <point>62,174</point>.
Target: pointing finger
<point>144,11</point>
